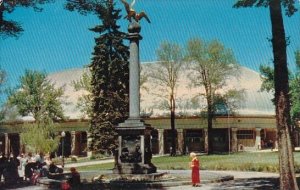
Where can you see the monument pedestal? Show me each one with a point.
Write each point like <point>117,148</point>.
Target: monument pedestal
<point>134,148</point>
<point>134,136</point>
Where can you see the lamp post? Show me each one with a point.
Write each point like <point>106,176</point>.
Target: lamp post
<point>63,134</point>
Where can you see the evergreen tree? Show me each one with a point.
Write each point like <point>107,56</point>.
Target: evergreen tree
<point>110,74</point>
<point>10,28</point>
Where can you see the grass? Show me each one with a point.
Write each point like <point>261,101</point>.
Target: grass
<point>245,161</point>
<point>72,159</point>
<point>238,161</point>
<point>106,166</point>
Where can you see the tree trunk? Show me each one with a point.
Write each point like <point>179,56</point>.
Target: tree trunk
<point>282,103</point>
<point>209,124</point>
<point>173,151</point>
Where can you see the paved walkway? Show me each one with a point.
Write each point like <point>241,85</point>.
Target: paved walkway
<point>242,180</point>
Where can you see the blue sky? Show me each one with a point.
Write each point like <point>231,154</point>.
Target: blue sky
<point>57,39</point>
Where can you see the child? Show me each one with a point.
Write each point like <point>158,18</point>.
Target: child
<point>195,166</point>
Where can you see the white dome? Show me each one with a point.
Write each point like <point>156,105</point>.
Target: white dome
<point>256,102</point>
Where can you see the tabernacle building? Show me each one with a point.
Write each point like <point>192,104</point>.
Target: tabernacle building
<point>251,127</point>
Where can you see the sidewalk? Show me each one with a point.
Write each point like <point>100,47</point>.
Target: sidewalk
<point>242,180</point>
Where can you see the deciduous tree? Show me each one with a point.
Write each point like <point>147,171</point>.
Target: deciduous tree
<point>40,137</point>
<point>295,91</point>
<point>84,103</point>
<point>37,97</point>
<point>165,74</point>
<point>281,78</point>
<point>267,76</point>
<point>212,65</point>
<point>2,82</point>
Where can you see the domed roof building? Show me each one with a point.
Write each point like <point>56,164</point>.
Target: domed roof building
<point>255,102</point>
<point>252,124</point>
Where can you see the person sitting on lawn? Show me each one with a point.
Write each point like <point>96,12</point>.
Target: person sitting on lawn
<point>74,180</point>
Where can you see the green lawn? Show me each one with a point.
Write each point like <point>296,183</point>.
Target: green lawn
<point>246,161</point>
<point>237,161</point>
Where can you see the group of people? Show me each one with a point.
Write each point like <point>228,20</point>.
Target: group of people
<point>40,165</point>
<point>31,167</point>
<point>267,144</point>
<point>36,166</point>
<point>9,169</point>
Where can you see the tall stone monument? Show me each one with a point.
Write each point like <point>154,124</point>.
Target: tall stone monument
<point>134,136</point>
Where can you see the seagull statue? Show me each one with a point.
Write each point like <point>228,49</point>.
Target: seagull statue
<point>131,13</point>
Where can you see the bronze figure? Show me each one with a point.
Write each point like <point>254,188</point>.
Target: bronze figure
<point>131,13</point>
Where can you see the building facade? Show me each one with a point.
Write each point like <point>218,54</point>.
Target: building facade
<point>230,134</point>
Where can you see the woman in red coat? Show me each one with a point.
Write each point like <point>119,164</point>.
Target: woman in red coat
<point>195,166</point>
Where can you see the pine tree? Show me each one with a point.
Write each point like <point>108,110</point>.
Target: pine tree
<point>11,28</point>
<point>110,74</point>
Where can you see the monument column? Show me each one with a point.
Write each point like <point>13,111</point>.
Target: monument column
<point>134,136</point>
<point>134,71</point>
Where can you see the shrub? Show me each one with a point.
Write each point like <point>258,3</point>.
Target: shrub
<point>74,158</point>
<point>97,156</point>
<point>40,137</point>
